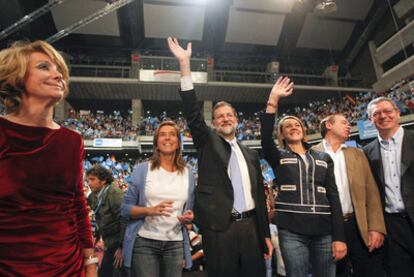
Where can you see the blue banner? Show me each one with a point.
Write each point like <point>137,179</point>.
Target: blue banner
<point>366,129</point>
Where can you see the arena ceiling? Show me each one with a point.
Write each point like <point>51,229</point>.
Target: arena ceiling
<point>280,29</point>
<point>245,31</point>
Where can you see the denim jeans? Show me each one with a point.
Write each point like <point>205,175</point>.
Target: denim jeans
<point>156,258</point>
<point>300,251</point>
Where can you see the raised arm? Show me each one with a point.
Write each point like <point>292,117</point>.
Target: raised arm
<point>282,88</point>
<point>192,112</point>
<point>183,55</point>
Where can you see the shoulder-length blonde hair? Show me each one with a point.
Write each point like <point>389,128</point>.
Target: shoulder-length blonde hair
<point>14,63</point>
<point>280,139</point>
<point>178,158</point>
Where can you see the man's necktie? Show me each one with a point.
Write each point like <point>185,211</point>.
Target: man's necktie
<point>236,180</point>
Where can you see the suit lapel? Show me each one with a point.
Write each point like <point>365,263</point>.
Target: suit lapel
<point>377,161</point>
<point>225,154</point>
<point>319,147</point>
<point>407,154</point>
<point>349,162</point>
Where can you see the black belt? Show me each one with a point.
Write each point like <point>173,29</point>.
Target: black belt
<point>348,217</point>
<point>236,216</point>
<point>402,215</point>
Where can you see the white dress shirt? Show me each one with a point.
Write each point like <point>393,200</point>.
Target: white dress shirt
<point>391,163</point>
<point>341,176</point>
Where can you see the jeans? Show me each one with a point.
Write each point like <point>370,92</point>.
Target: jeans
<point>300,251</point>
<point>155,258</point>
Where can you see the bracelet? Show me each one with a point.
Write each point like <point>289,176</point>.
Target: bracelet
<point>91,260</point>
<point>271,104</point>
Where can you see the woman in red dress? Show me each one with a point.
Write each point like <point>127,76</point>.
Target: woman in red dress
<point>44,225</point>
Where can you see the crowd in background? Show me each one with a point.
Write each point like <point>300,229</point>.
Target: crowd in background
<point>118,125</point>
<point>121,169</point>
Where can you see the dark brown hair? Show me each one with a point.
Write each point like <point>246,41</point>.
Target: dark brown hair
<point>178,159</point>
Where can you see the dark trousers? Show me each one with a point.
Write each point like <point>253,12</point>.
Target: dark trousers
<point>107,269</point>
<point>236,252</point>
<point>364,263</point>
<point>399,246</point>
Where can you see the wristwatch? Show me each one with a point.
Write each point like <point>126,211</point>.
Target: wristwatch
<point>91,260</point>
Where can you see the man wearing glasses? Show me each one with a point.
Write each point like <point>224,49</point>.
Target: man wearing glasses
<point>391,157</point>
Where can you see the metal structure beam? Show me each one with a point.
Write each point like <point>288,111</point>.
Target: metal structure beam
<point>29,18</point>
<point>110,7</point>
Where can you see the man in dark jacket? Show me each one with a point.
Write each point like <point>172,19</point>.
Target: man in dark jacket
<point>229,206</point>
<point>106,202</point>
<point>391,156</point>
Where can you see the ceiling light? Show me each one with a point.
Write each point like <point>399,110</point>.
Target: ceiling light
<point>327,6</point>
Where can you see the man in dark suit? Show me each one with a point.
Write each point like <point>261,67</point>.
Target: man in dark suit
<point>391,157</point>
<point>229,203</point>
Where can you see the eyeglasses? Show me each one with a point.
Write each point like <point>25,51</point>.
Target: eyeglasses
<point>386,112</point>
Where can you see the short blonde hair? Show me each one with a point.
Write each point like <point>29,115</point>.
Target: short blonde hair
<point>280,138</point>
<point>14,62</point>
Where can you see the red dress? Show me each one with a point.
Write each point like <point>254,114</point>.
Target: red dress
<point>44,223</point>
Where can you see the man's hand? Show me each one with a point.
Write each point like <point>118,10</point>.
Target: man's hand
<point>269,245</point>
<point>180,53</point>
<point>118,259</point>
<point>375,240</point>
<point>186,217</point>
<point>164,208</point>
<point>339,250</point>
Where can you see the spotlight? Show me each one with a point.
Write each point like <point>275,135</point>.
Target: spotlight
<point>327,6</point>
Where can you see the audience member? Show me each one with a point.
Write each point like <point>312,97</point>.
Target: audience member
<point>105,202</point>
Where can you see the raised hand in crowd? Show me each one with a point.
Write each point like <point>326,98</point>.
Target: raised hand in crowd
<point>183,55</point>
<point>282,88</point>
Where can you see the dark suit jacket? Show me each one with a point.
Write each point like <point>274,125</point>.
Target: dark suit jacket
<point>373,152</point>
<point>214,196</point>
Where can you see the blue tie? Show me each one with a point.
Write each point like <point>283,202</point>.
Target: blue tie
<point>236,180</point>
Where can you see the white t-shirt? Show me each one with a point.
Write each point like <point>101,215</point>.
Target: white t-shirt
<point>163,185</point>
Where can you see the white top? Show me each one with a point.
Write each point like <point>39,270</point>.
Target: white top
<point>247,186</point>
<point>341,176</point>
<point>162,185</point>
<point>305,160</point>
